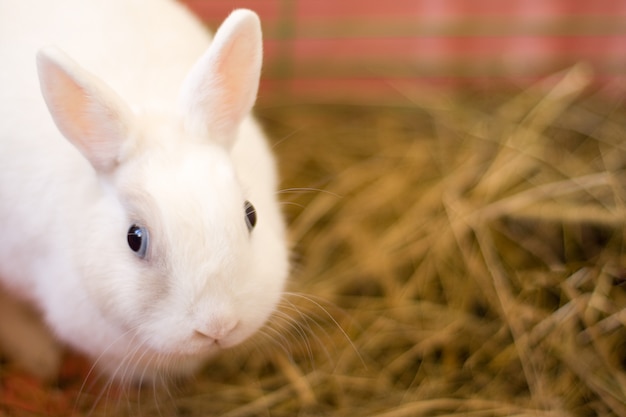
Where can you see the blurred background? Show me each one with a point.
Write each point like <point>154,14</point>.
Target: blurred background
<point>355,50</point>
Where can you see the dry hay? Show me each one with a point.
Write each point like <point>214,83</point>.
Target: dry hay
<point>453,257</point>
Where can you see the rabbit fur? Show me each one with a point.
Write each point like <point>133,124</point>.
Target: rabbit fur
<point>147,124</point>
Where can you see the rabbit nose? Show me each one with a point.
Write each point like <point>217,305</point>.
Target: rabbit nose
<point>216,329</point>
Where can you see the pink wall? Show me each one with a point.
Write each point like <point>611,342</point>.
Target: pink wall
<point>372,49</point>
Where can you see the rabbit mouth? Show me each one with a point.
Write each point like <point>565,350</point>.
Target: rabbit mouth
<point>198,345</point>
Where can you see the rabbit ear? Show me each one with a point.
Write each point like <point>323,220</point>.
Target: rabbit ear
<point>221,88</point>
<point>88,113</point>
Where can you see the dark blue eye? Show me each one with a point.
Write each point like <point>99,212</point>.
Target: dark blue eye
<point>250,215</point>
<point>138,240</point>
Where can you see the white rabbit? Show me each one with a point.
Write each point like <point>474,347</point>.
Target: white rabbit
<point>129,223</point>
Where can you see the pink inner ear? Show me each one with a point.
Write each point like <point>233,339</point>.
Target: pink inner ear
<point>240,81</point>
<point>70,106</point>
<point>221,88</point>
<point>87,112</point>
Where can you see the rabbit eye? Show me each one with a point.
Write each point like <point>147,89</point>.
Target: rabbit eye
<point>138,240</point>
<point>250,215</point>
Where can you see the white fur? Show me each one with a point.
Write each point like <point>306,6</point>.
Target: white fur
<point>169,145</point>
